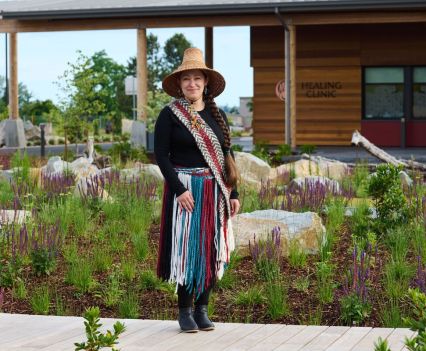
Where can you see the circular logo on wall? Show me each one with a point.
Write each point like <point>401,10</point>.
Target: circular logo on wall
<point>280,90</point>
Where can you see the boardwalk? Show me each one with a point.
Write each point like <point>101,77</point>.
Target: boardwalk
<point>47,333</point>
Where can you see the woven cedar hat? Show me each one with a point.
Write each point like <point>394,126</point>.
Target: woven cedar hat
<point>193,59</point>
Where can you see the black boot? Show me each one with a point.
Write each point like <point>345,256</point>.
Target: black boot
<point>186,320</point>
<point>202,319</point>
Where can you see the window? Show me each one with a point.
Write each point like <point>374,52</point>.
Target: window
<point>383,92</point>
<point>419,92</point>
<point>394,92</point>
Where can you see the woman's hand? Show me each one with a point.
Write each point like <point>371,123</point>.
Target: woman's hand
<point>235,206</point>
<point>186,201</point>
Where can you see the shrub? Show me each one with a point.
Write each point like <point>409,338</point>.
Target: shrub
<point>96,340</point>
<point>353,309</point>
<point>391,204</point>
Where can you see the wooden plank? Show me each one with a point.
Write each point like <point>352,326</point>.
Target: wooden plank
<point>196,340</point>
<point>348,340</point>
<point>208,46</point>
<point>396,340</point>
<point>367,342</point>
<point>13,88</point>
<point>325,339</point>
<point>230,338</point>
<point>301,339</point>
<point>142,75</point>
<point>256,337</point>
<point>138,22</point>
<point>359,17</point>
<point>273,341</point>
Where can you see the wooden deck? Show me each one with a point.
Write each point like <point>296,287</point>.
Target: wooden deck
<point>48,333</point>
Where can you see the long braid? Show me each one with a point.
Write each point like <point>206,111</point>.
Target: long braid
<point>230,166</point>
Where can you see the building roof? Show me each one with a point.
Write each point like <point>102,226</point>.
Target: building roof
<point>60,9</point>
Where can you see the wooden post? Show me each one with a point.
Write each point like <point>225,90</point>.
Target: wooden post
<point>208,46</point>
<point>293,85</point>
<point>13,88</point>
<point>287,115</point>
<point>142,75</point>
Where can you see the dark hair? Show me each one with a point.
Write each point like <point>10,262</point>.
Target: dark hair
<point>230,166</point>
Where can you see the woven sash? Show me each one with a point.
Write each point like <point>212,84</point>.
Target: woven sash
<point>208,144</point>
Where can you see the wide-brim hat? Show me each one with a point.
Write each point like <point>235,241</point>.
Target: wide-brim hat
<point>193,59</point>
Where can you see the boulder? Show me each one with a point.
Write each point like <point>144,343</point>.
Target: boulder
<point>301,182</point>
<point>305,228</point>
<point>83,168</point>
<point>149,170</point>
<point>252,169</point>
<point>316,166</point>
<point>89,186</point>
<point>12,216</point>
<point>32,132</point>
<point>55,165</point>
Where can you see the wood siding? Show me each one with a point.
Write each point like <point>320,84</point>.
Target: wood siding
<point>334,53</point>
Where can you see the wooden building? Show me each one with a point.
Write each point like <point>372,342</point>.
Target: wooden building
<point>345,64</point>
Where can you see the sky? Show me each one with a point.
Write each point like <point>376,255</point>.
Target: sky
<point>43,57</point>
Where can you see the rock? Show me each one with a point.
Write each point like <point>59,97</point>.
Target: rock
<point>406,181</point>
<point>82,168</point>
<point>55,165</point>
<point>90,187</point>
<point>349,212</point>
<point>306,228</point>
<point>252,169</point>
<point>150,170</point>
<point>301,182</point>
<point>12,216</point>
<point>32,132</point>
<point>317,166</point>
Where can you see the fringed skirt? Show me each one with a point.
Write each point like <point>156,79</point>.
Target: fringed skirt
<point>192,244</point>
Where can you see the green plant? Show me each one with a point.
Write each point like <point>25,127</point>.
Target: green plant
<point>324,273</point>
<point>276,296</point>
<point>381,345</point>
<point>128,268</point>
<point>20,163</point>
<point>391,314</point>
<point>398,241</point>
<point>141,245</point>
<point>80,275</point>
<point>236,147</point>
<point>95,339</point>
<point>19,290</point>
<point>392,206</point>
<point>417,323</point>
<point>353,310</point>
<point>397,278</point>
<point>307,149</point>
<point>59,305</point>
<point>301,283</point>
<point>249,297</point>
<point>282,150</point>
<point>43,260</point>
<point>101,259</point>
<point>40,300</point>
<point>70,252</point>
<point>296,255</point>
<point>261,150</point>
<point>362,225</point>
<point>129,305</point>
<point>112,292</point>
<point>149,280</point>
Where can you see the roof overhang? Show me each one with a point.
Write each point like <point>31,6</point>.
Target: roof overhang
<point>234,8</point>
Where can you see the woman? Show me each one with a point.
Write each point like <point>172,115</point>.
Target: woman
<point>192,148</point>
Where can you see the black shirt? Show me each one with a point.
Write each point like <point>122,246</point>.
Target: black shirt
<point>174,146</point>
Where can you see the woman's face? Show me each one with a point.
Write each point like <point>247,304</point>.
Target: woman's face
<point>192,84</point>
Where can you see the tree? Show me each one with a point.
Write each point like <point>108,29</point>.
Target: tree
<point>38,110</point>
<point>85,96</point>
<point>173,53</point>
<point>154,63</point>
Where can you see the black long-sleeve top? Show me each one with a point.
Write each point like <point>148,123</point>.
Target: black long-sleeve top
<point>175,145</point>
